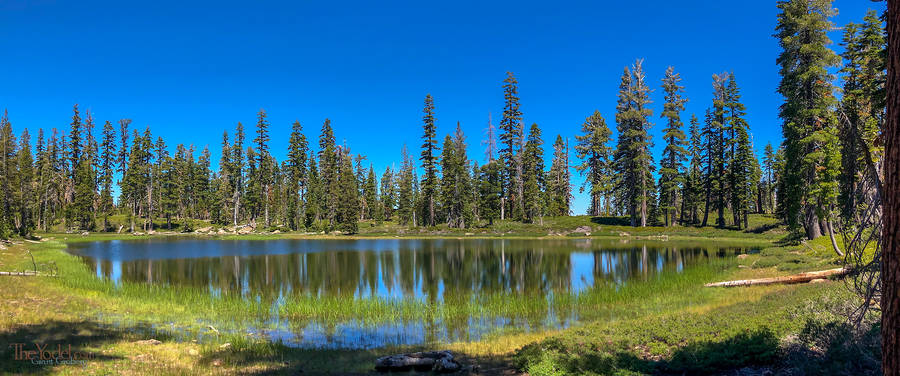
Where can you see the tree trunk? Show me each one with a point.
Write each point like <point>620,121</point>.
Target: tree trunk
<point>890,266</point>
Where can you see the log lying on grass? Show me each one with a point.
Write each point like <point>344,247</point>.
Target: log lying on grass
<point>789,279</point>
<point>437,361</point>
<point>20,274</point>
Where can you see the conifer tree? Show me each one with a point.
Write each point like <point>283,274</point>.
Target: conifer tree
<point>861,112</point>
<point>510,141</point>
<point>109,153</point>
<point>592,149</point>
<point>559,187</point>
<point>429,160</point>
<point>742,165</point>
<point>237,172</point>
<point>315,196</point>
<point>347,211</point>
<point>26,190</point>
<point>768,167</point>
<point>370,191</point>
<point>533,175</point>
<point>671,169</point>
<point>8,175</point>
<point>388,193</point>
<point>328,171</point>
<point>632,157</point>
<point>297,182</point>
<point>490,191</point>
<point>406,195</point>
<point>693,182</point>
<point>264,163</point>
<point>811,149</point>
<point>456,183</point>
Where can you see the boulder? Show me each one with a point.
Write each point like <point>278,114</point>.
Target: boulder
<point>204,229</point>
<point>437,361</point>
<point>584,230</point>
<point>245,230</point>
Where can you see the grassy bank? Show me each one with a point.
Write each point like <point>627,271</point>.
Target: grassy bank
<point>641,328</point>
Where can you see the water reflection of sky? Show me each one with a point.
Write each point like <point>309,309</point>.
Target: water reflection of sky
<point>425,270</point>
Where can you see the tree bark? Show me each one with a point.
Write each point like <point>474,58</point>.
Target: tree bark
<point>890,266</point>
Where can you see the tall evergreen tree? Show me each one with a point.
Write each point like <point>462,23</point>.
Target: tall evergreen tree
<point>8,176</point>
<point>633,161</point>
<point>592,149</point>
<point>671,170</point>
<point>347,211</point>
<point>810,136</point>
<point>264,162</point>
<point>388,193</point>
<point>533,175</point>
<point>693,181</point>
<point>237,172</point>
<point>429,160</point>
<point>742,165</point>
<point>109,153</point>
<point>559,187</point>
<point>297,183</point>
<point>329,164</point>
<point>511,134</point>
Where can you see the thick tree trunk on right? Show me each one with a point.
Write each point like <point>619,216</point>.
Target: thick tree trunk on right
<point>890,267</point>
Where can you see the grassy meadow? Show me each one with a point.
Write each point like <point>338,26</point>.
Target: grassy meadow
<point>671,326</point>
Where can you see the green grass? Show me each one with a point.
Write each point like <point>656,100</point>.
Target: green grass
<point>668,324</point>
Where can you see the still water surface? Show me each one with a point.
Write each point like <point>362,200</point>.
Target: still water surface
<point>431,271</point>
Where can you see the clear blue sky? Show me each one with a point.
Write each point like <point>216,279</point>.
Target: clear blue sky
<point>190,71</point>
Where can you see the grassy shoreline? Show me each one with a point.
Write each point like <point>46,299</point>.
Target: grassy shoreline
<point>60,306</point>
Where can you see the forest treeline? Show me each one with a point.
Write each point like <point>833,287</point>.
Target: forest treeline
<point>708,172</point>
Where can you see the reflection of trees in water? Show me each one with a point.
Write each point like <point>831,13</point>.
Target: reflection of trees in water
<point>433,270</point>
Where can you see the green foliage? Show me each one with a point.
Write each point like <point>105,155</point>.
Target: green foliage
<point>671,175</point>
<point>632,158</point>
<point>592,148</point>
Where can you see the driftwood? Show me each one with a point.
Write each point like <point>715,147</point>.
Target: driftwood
<point>20,274</point>
<point>796,278</point>
<point>437,361</point>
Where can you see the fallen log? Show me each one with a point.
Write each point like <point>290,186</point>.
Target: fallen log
<point>789,279</point>
<point>20,274</point>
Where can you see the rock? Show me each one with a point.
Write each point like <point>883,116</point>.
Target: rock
<point>624,234</point>
<point>742,256</point>
<point>204,229</point>
<point>437,361</point>
<point>85,233</point>
<point>151,232</point>
<point>222,231</point>
<point>225,346</point>
<point>137,233</point>
<point>193,352</point>
<point>819,280</point>
<point>469,234</point>
<point>276,232</point>
<point>148,342</point>
<point>245,230</point>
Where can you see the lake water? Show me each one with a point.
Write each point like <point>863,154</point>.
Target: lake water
<point>430,271</point>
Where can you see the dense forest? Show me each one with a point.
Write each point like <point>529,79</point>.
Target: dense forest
<point>821,177</point>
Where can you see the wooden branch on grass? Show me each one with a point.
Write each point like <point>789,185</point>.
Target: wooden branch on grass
<point>789,279</point>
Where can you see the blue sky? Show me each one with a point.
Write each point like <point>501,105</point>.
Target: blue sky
<point>190,70</point>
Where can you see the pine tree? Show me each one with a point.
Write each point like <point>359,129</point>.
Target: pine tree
<point>533,175</point>
<point>719,141</point>
<point>693,182</point>
<point>456,183</point>
<point>490,191</point>
<point>742,164</point>
<point>510,140</point>
<point>108,156</point>
<point>632,157</point>
<point>237,172</point>
<point>328,171</point>
<point>671,169</point>
<point>264,164</point>
<point>370,191</point>
<point>429,160</point>
<point>25,165</point>
<point>559,187</point>
<point>861,112</point>
<point>8,176</point>
<point>297,185</point>
<point>406,190</point>
<point>315,196</point>
<point>768,166</point>
<point>388,193</point>
<point>810,138</point>
<point>592,149</point>
<point>347,211</point>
